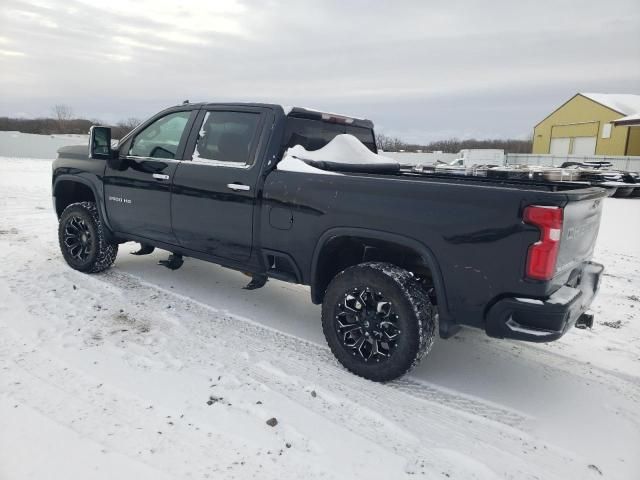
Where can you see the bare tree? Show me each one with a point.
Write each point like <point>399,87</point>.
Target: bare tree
<point>130,123</point>
<point>389,144</point>
<point>381,141</point>
<point>125,126</point>
<point>63,114</point>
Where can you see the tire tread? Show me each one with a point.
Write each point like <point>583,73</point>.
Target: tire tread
<point>106,252</point>
<point>424,312</point>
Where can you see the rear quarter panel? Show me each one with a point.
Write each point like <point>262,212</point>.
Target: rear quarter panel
<point>475,232</point>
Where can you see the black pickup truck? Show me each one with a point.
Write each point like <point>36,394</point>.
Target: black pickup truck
<point>395,256</point>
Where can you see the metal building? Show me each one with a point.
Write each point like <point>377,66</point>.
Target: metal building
<point>590,124</point>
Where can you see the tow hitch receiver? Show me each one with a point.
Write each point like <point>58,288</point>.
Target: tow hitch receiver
<point>585,321</point>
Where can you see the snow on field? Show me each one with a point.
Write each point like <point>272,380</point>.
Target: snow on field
<point>36,146</point>
<point>140,372</point>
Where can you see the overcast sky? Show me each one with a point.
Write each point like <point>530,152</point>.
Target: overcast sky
<point>420,70</point>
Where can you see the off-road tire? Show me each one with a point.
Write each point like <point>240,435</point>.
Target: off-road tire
<point>100,253</point>
<point>417,318</point>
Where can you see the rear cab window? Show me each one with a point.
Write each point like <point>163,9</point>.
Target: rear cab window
<point>314,134</point>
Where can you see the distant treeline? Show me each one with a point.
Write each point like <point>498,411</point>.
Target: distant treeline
<point>63,121</point>
<point>454,145</point>
<point>49,126</point>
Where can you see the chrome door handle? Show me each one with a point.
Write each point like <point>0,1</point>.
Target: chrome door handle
<point>238,186</point>
<point>160,176</point>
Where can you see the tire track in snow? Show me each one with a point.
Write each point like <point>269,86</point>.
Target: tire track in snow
<point>322,354</point>
<point>414,427</point>
<point>415,405</point>
<point>185,339</point>
<point>117,420</point>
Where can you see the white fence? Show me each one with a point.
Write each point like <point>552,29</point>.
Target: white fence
<point>630,164</point>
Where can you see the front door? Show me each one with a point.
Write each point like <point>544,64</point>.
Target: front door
<point>138,195</point>
<point>214,192</point>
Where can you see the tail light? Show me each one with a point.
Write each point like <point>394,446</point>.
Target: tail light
<point>542,256</point>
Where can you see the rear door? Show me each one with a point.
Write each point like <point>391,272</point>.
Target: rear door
<point>138,195</point>
<point>214,191</point>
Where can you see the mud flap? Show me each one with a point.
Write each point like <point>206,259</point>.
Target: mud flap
<point>145,249</point>
<point>174,262</point>
<point>257,281</point>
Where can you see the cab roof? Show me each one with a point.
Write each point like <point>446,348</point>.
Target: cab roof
<point>297,112</point>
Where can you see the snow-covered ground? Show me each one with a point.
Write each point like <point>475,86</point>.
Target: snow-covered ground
<point>141,372</point>
<point>18,144</point>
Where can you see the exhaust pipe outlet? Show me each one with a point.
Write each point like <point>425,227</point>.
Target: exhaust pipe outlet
<point>585,321</point>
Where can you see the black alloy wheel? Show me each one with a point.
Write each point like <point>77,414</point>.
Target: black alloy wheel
<point>367,324</point>
<point>77,238</point>
<point>82,239</point>
<point>378,320</point>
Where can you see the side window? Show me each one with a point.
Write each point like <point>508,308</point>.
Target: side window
<point>227,137</point>
<point>161,138</point>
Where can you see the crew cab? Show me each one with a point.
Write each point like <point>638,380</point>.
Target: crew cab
<point>396,256</point>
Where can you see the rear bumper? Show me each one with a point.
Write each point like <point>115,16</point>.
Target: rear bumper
<point>537,320</point>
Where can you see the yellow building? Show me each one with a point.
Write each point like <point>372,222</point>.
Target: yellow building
<point>590,124</point>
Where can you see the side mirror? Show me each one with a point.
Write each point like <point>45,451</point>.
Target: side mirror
<point>100,143</point>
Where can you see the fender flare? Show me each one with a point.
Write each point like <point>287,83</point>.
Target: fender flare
<point>425,253</point>
<point>67,177</point>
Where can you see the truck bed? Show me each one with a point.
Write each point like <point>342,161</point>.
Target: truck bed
<point>579,188</point>
<point>538,185</point>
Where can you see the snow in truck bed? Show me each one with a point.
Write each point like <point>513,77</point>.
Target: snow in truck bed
<point>344,149</point>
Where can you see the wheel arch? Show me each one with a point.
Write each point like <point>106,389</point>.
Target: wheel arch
<point>341,247</point>
<point>68,189</point>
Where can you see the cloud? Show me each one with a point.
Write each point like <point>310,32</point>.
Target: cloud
<point>11,53</point>
<point>420,70</point>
